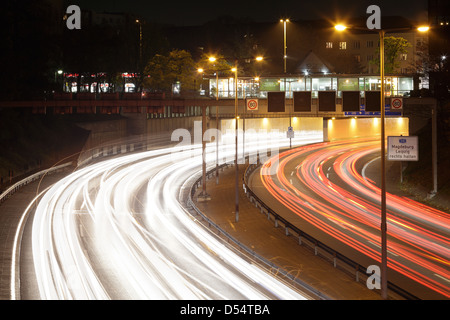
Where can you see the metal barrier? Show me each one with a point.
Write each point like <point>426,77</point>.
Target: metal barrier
<point>269,264</point>
<point>319,248</point>
<point>18,185</point>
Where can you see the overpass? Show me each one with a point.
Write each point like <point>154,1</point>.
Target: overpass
<point>145,111</point>
<point>326,105</point>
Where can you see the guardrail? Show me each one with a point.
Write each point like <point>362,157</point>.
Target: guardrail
<point>320,249</point>
<point>269,264</point>
<point>18,185</point>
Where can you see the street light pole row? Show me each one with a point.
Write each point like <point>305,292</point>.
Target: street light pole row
<point>383,224</point>
<point>204,196</point>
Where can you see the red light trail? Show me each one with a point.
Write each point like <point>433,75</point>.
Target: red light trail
<point>346,206</point>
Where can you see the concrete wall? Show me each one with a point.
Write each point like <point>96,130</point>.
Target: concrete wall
<point>299,124</point>
<point>340,129</point>
<point>332,130</point>
<point>171,124</point>
<point>103,132</point>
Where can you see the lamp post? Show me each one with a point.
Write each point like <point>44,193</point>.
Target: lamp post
<point>203,196</point>
<point>140,53</point>
<point>58,73</point>
<point>236,120</point>
<point>236,117</point>
<point>212,60</point>
<point>383,223</point>
<point>140,40</point>
<point>285,21</point>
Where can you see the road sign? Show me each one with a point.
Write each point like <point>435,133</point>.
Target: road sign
<point>252,104</point>
<point>397,103</point>
<point>276,101</point>
<point>290,133</point>
<point>403,148</point>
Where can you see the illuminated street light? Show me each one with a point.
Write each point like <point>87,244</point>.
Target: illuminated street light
<point>340,27</point>
<point>140,39</point>
<point>381,32</point>
<point>284,21</point>
<point>236,118</point>
<point>213,59</point>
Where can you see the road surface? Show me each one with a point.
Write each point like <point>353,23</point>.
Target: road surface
<point>328,194</point>
<point>116,229</point>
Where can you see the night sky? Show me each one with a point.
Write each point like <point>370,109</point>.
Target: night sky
<point>197,12</point>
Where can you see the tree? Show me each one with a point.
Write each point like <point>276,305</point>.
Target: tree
<point>162,71</point>
<point>394,47</point>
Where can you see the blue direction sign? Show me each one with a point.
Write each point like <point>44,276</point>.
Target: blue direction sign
<point>363,112</point>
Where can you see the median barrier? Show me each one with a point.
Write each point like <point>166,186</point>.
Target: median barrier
<point>320,249</point>
<point>274,269</point>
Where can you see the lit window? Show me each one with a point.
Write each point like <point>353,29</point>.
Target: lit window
<point>403,56</point>
<point>342,45</point>
<point>329,45</point>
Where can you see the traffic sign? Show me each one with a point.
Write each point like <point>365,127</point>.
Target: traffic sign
<point>252,104</point>
<point>397,103</point>
<point>290,133</point>
<point>403,148</point>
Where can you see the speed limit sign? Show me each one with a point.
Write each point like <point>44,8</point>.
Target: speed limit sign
<point>397,103</point>
<point>252,104</point>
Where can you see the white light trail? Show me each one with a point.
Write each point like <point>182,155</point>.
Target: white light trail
<point>116,230</point>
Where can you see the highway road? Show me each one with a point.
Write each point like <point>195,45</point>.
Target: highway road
<point>325,191</point>
<point>117,229</point>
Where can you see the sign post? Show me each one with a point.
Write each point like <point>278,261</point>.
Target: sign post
<point>290,134</point>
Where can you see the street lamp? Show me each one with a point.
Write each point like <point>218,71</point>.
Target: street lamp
<point>383,226</point>
<point>284,21</point>
<point>236,118</point>
<point>203,196</point>
<point>140,52</point>
<point>213,59</point>
<point>58,73</point>
<point>140,39</point>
